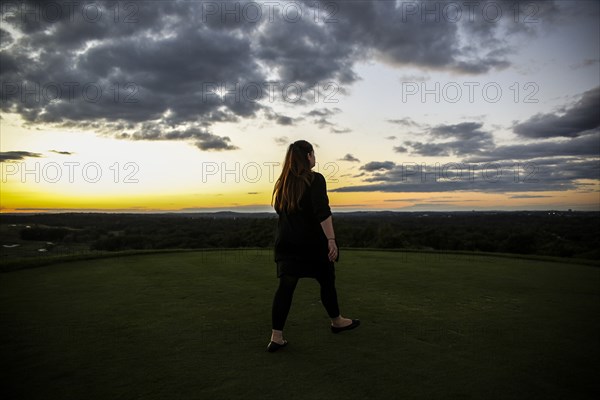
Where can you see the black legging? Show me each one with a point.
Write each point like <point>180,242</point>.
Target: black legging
<point>283,298</point>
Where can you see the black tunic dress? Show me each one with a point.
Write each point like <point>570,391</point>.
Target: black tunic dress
<point>301,247</point>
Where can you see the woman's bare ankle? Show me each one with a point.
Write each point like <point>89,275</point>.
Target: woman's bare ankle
<point>277,336</point>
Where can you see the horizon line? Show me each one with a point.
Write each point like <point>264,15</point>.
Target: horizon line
<point>90,211</point>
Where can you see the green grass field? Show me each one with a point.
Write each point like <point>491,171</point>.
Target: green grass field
<point>194,325</point>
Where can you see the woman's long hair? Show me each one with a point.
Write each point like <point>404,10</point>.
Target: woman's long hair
<point>295,177</point>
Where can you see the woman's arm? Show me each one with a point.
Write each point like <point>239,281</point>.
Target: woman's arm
<point>327,226</point>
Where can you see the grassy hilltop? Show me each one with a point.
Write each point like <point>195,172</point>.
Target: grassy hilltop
<point>194,325</point>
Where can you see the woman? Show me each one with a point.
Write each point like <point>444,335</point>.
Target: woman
<point>305,244</point>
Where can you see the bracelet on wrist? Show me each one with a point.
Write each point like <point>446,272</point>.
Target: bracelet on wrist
<point>331,238</point>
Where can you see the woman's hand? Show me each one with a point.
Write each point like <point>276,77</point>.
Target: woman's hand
<point>333,250</point>
<point>327,226</point>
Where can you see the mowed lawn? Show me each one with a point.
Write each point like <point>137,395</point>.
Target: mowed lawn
<point>195,325</point>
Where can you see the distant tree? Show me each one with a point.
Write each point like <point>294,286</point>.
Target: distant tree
<point>43,233</point>
<point>519,243</point>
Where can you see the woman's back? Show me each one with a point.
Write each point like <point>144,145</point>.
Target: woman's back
<point>299,234</point>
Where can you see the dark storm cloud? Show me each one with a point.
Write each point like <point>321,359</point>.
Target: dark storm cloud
<point>307,52</point>
<point>339,130</point>
<point>527,196</point>
<point>425,34</point>
<point>162,63</point>
<point>349,157</point>
<point>378,165</point>
<point>282,140</point>
<point>322,122</point>
<point>468,139</point>
<point>161,69</point>
<point>323,112</point>
<point>9,64</point>
<point>437,199</point>
<point>576,120</point>
<point>5,38</point>
<point>17,155</point>
<point>320,119</point>
<point>67,153</point>
<point>214,142</point>
<point>427,149</point>
<point>407,121</point>
<point>204,140</point>
<point>284,120</point>
<point>464,130</point>
<point>278,118</point>
<point>583,146</point>
<point>498,177</point>
<point>502,176</point>
<point>547,165</point>
<point>496,16</point>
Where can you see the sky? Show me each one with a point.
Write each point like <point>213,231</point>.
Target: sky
<point>184,106</point>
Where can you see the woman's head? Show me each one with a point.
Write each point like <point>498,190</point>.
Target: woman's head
<point>299,155</point>
<point>295,176</point>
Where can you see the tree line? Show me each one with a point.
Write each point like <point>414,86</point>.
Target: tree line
<point>554,233</point>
